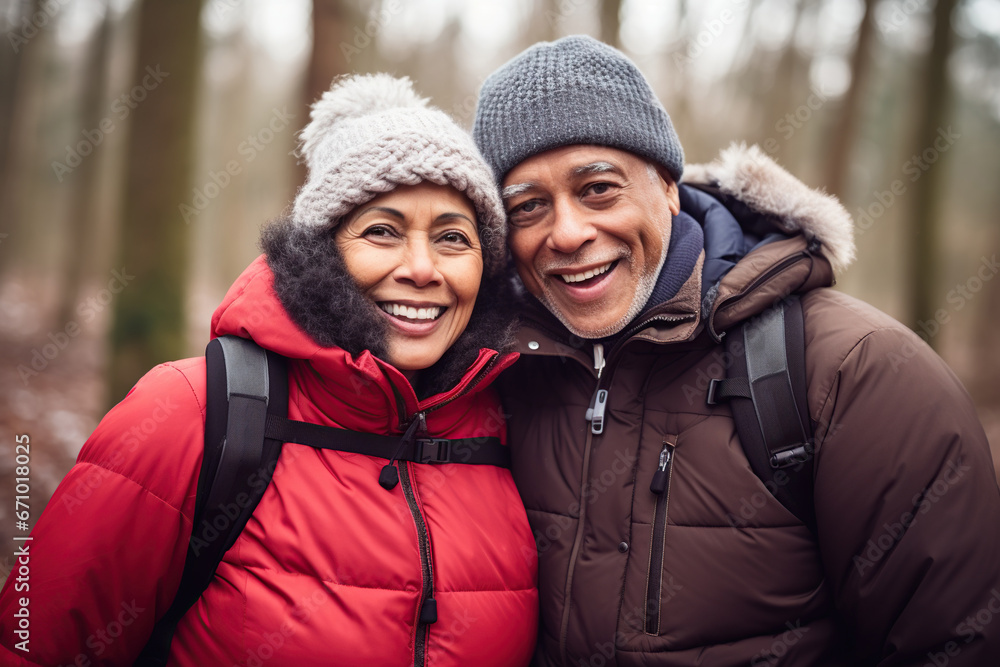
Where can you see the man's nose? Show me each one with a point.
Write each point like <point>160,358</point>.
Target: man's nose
<point>570,230</point>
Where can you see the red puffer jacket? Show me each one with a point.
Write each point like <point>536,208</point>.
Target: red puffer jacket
<point>329,570</point>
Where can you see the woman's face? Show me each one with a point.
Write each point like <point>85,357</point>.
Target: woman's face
<point>415,253</point>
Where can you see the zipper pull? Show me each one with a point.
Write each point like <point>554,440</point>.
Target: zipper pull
<point>388,478</point>
<point>599,359</point>
<point>661,478</point>
<point>429,611</point>
<point>599,401</point>
<point>595,413</point>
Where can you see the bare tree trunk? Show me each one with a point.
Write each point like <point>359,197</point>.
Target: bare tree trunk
<point>335,46</point>
<point>924,264</point>
<point>149,318</point>
<point>842,138</point>
<point>543,23</point>
<point>21,70</point>
<point>789,89</point>
<point>85,186</point>
<point>611,22</point>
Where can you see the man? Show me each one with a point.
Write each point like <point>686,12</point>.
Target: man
<point>657,543</point>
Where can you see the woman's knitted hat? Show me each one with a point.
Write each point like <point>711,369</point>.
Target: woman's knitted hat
<point>369,134</point>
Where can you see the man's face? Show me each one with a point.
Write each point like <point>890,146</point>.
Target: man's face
<point>589,227</point>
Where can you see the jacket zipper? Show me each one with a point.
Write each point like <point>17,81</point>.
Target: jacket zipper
<point>595,417</point>
<point>758,281</point>
<point>428,606</point>
<point>642,325</point>
<point>483,372</point>
<point>427,603</point>
<point>660,486</point>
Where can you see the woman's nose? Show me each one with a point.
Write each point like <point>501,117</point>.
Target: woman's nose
<point>419,265</point>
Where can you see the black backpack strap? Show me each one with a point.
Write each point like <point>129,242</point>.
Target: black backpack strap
<point>470,451</point>
<point>245,385</point>
<point>248,400</point>
<point>766,390</point>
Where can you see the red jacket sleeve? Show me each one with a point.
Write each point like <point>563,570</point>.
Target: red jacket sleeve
<point>108,550</point>
<point>908,508</point>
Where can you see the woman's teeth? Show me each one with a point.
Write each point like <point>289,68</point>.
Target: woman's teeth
<point>411,313</point>
<point>586,275</point>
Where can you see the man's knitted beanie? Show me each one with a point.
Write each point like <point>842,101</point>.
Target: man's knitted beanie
<point>575,90</point>
<point>369,134</point>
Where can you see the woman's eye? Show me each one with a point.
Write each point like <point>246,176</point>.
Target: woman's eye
<point>455,237</point>
<point>378,231</point>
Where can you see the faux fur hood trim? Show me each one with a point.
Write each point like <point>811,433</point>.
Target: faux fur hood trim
<point>751,176</point>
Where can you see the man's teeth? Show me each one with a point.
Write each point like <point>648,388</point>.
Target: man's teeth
<point>411,313</point>
<point>586,275</point>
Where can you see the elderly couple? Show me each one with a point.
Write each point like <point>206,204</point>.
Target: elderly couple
<point>390,290</point>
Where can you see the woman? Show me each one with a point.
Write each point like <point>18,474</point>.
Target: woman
<point>380,288</point>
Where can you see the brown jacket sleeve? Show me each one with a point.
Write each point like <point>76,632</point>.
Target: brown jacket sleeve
<point>908,507</point>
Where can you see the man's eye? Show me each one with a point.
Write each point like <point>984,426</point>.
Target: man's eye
<point>599,188</point>
<point>526,208</point>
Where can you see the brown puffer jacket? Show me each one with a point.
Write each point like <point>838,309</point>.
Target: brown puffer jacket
<point>906,568</point>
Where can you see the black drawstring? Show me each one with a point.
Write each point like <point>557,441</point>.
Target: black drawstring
<point>389,477</point>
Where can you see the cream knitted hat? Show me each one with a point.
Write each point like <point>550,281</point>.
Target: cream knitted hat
<point>369,134</point>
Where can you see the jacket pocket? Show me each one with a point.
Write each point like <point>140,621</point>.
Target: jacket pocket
<point>659,486</point>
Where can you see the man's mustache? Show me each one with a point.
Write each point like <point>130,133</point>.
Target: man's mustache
<point>585,258</point>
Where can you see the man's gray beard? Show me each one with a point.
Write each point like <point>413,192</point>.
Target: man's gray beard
<point>647,283</point>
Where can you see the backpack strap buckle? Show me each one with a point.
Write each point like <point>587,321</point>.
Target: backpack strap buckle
<point>792,456</point>
<point>432,450</point>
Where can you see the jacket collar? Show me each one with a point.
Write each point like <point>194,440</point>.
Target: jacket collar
<point>336,388</point>
<point>674,320</point>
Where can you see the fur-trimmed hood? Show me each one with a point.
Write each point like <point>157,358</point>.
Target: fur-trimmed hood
<point>750,176</point>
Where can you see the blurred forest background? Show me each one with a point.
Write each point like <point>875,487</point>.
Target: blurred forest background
<point>144,142</point>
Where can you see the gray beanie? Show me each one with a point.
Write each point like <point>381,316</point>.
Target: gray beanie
<point>575,90</point>
<point>369,134</point>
